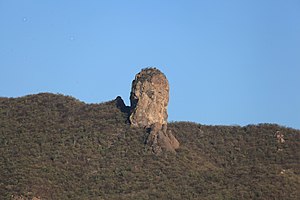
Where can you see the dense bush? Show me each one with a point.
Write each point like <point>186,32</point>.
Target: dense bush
<point>56,147</point>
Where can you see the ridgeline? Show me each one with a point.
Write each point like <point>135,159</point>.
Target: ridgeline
<point>56,147</point>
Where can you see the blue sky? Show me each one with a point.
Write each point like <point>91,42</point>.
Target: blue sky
<point>228,62</point>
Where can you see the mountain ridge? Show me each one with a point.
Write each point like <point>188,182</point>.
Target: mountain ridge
<point>57,147</point>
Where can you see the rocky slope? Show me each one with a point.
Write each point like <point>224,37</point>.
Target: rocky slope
<point>56,147</point>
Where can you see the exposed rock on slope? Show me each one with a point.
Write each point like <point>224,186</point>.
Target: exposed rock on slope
<point>161,139</point>
<point>149,101</point>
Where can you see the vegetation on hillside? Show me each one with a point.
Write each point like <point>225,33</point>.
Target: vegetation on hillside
<point>56,147</point>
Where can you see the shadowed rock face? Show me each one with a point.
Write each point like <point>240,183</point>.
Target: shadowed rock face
<point>160,139</point>
<point>149,100</point>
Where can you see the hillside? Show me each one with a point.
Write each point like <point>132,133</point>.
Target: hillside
<point>56,147</point>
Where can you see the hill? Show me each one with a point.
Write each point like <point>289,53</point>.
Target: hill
<point>56,147</point>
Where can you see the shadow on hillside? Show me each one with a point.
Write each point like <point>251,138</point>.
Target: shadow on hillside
<point>121,105</point>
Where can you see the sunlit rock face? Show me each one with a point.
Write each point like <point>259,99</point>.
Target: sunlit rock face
<point>149,98</point>
<point>149,101</point>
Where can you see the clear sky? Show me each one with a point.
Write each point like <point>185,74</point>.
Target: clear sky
<point>228,62</point>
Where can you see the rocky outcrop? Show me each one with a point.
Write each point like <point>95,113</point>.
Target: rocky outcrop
<point>121,105</point>
<point>160,139</point>
<point>149,101</point>
<point>149,98</point>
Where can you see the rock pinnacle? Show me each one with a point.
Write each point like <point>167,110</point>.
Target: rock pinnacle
<point>149,101</point>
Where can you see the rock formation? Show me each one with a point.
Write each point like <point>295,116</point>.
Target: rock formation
<point>160,139</point>
<point>121,105</point>
<point>149,98</point>
<point>149,101</point>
